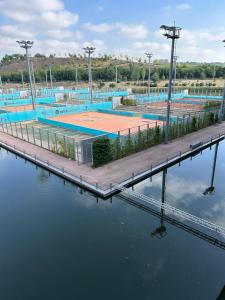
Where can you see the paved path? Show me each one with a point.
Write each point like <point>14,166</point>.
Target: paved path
<point>122,169</point>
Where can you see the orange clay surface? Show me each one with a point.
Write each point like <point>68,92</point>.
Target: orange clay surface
<point>107,122</point>
<point>18,108</point>
<point>177,105</point>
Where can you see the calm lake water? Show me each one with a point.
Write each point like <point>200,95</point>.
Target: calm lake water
<point>58,242</point>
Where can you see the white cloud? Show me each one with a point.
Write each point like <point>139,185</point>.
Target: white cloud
<point>134,31</point>
<point>138,31</point>
<point>62,19</point>
<point>99,28</point>
<point>38,13</point>
<point>151,46</point>
<point>64,34</point>
<point>100,8</point>
<point>178,7</point>
<point>98,44</point>
<point>26,10</point>
<point>183,6</point>
<point>16,32</point>
<point>166,8</point>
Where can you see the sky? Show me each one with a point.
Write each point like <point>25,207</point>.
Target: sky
<point>119,27</point>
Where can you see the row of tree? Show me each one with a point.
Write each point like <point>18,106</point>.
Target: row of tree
<point>126,71</point>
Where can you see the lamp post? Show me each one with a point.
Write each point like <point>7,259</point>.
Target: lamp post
<point>50,75</point>
<point>22,80</point>
<point>175,70</point>
<point>116,73</point>
<point>173,33</point>
<point>33,77</point>
<point>149,56</point>
<point>89,51</point>
<point>27,45</point>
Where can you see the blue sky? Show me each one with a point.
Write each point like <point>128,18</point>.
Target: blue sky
<point>117,27</point>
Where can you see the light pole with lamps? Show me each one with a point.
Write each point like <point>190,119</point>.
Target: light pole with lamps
<point>173,33</point>
<point>27,45</point>
<point>89,51</point>
<point>149,56</point>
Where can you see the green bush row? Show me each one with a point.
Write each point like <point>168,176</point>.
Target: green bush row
<point>106,150</point>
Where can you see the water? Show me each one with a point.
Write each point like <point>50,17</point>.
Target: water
<point>59,242</point>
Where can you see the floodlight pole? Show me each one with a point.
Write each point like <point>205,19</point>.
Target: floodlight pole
<point>116,73</point>
<point>33,77</point>
<point>149,56</point>
<point>173,33</point>
<point>22,80</point>
<point>50,75</point>
<point>27,45</point>
<point>175,70</point>
<point>1,81</point>
<point>89,51</point>
<point>76,74</point>
<point>46,78</point>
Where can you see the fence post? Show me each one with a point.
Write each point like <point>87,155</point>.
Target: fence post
<point>21,130</point>
<point>16,130</point>
<point>40,136</point>
<point>11,127</point>
<point>27,133</point>
<point>55,143</point>
<point>33,135</point>
<point>48,139</point>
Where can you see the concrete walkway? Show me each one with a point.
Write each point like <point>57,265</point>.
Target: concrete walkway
<point>122,169</point>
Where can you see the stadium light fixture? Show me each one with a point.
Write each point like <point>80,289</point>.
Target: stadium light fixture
<point>173,33</point>
<point>27,45</point>
<point>149,56</point>
<point>89,51</point>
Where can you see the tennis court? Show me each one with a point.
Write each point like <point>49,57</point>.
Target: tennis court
<point>108,122</point>
<point>56,139</point>
<point>20,108</point>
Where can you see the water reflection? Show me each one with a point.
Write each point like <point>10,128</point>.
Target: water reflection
<point>211,188</point>
<point>161,231</point>
<point>222,294</point>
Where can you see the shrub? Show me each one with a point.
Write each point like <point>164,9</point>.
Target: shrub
<point>112,85</point>
<point>129,102</point>
<point>102,153</point>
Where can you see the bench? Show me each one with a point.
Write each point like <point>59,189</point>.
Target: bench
<point>195,145</point>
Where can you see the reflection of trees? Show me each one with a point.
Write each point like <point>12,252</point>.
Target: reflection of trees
<point>211,188</point>
<point>160,231</point>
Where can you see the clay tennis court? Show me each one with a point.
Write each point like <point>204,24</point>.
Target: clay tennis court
<point>19,108</point>
<point>177,105</point>
<point>107,122</point>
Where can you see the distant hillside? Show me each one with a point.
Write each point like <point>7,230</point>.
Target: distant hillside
<point>104,68</point>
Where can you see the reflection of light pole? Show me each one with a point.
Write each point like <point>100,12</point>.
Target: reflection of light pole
<point>149,56</point>
<point>160,231</point>
<point>211,188</point>
<point>171,32</point>
<point>89,51</point>
<point>27,45</point>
